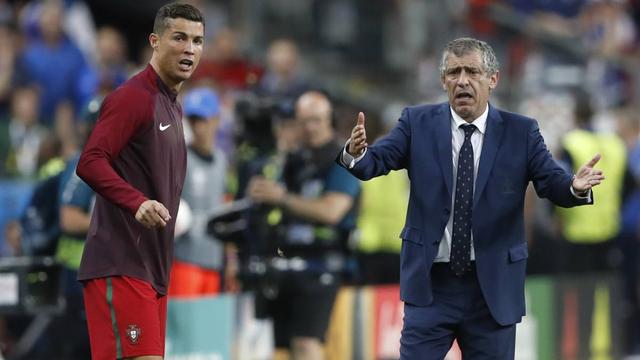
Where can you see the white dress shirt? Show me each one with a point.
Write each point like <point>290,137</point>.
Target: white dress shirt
<point>457,138</point>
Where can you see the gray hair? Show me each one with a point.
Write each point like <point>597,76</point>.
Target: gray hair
<point>463,46</point>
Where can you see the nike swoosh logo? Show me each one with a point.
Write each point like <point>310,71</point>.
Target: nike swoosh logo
<point>164,127</point>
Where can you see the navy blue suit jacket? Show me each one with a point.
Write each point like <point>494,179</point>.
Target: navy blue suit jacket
<point>513,154</point>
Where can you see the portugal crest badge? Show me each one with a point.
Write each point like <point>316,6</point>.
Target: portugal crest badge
<point>133,333</point>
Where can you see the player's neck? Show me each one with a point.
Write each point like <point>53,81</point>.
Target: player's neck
<point>171,84</point>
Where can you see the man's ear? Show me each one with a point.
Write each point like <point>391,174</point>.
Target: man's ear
<point>153,40</point>
<point>493,80</point>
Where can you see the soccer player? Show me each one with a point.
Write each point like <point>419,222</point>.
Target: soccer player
<point>135,160</point>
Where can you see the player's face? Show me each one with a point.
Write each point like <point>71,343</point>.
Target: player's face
<point>178,49</point>
<point>468,85</point>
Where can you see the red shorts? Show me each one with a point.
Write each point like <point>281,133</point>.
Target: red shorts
<point>126,317</point>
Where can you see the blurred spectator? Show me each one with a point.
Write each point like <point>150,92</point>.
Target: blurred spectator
<point>223,64</point>
<point>50,159</point>
<point>65,129</point>
<point>318,204</point>
<point>68,333</point>
<point>261,148</point>
<point>589,231</point>
<point>606,27</point>
<point>198,257</point>
<point>601,29</point>
<point>270,137</point>
<point>36,232</point>
<point>54,223</point>
<point>77,22</point>
<point>54,64</point>
<point>111,68</point>
<point>607,32</point>
<point>37,229</point>
<point>283,79</point>
<point>21,136</point>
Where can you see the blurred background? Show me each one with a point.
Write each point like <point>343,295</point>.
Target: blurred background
<point>572,64</point>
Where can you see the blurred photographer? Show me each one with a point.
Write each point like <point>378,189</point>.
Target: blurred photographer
<point>316,198</point>
<point>265,137</point>
<point>269,135</point>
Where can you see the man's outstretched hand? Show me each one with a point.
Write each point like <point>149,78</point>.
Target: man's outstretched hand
<point>358,140</point>
<point>587,176</point>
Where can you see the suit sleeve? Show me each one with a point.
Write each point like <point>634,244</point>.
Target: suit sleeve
<point>549,178</point>
<point>388,153</point>
<point>123,115</point>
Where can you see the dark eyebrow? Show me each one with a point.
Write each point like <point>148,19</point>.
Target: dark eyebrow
<point>186,35</point>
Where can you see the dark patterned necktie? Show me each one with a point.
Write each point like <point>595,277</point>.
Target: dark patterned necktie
<point>460,257</point>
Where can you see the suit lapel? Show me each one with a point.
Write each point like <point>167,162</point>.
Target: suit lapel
<point>492,136</point>
<point>443,140</point>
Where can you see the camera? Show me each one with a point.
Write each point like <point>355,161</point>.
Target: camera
<point>255,115</point>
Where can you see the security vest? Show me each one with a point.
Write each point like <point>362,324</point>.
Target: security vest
<point>382,213</point>
<point>601,221</point>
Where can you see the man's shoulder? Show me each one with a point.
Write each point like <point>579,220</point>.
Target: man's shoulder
<point>424,113</point>
<point>138,84</point>
<point>133,92</point>
<point>427,109</point>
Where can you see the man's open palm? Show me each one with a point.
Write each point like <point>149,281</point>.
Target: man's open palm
<point>588,176</point>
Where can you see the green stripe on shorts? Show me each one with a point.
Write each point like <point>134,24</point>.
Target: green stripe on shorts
<point>114,324</point>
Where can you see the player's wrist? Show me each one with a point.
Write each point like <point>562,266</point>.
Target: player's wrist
<point>577,191</point>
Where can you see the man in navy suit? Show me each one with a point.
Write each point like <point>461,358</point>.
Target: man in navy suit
<point>464,251</point>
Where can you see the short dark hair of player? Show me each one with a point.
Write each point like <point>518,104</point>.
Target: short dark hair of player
<point>174,11</point>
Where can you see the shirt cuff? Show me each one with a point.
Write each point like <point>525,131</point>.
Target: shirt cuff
<point>347,159</point>
<point>587,196</point>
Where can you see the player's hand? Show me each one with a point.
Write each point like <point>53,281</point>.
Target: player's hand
<point>153,214</point>
<point>588,177</point>
<point>358,140</point>
<point>267,191</point>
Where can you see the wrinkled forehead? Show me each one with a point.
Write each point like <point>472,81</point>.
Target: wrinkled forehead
<point>470,59</point>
